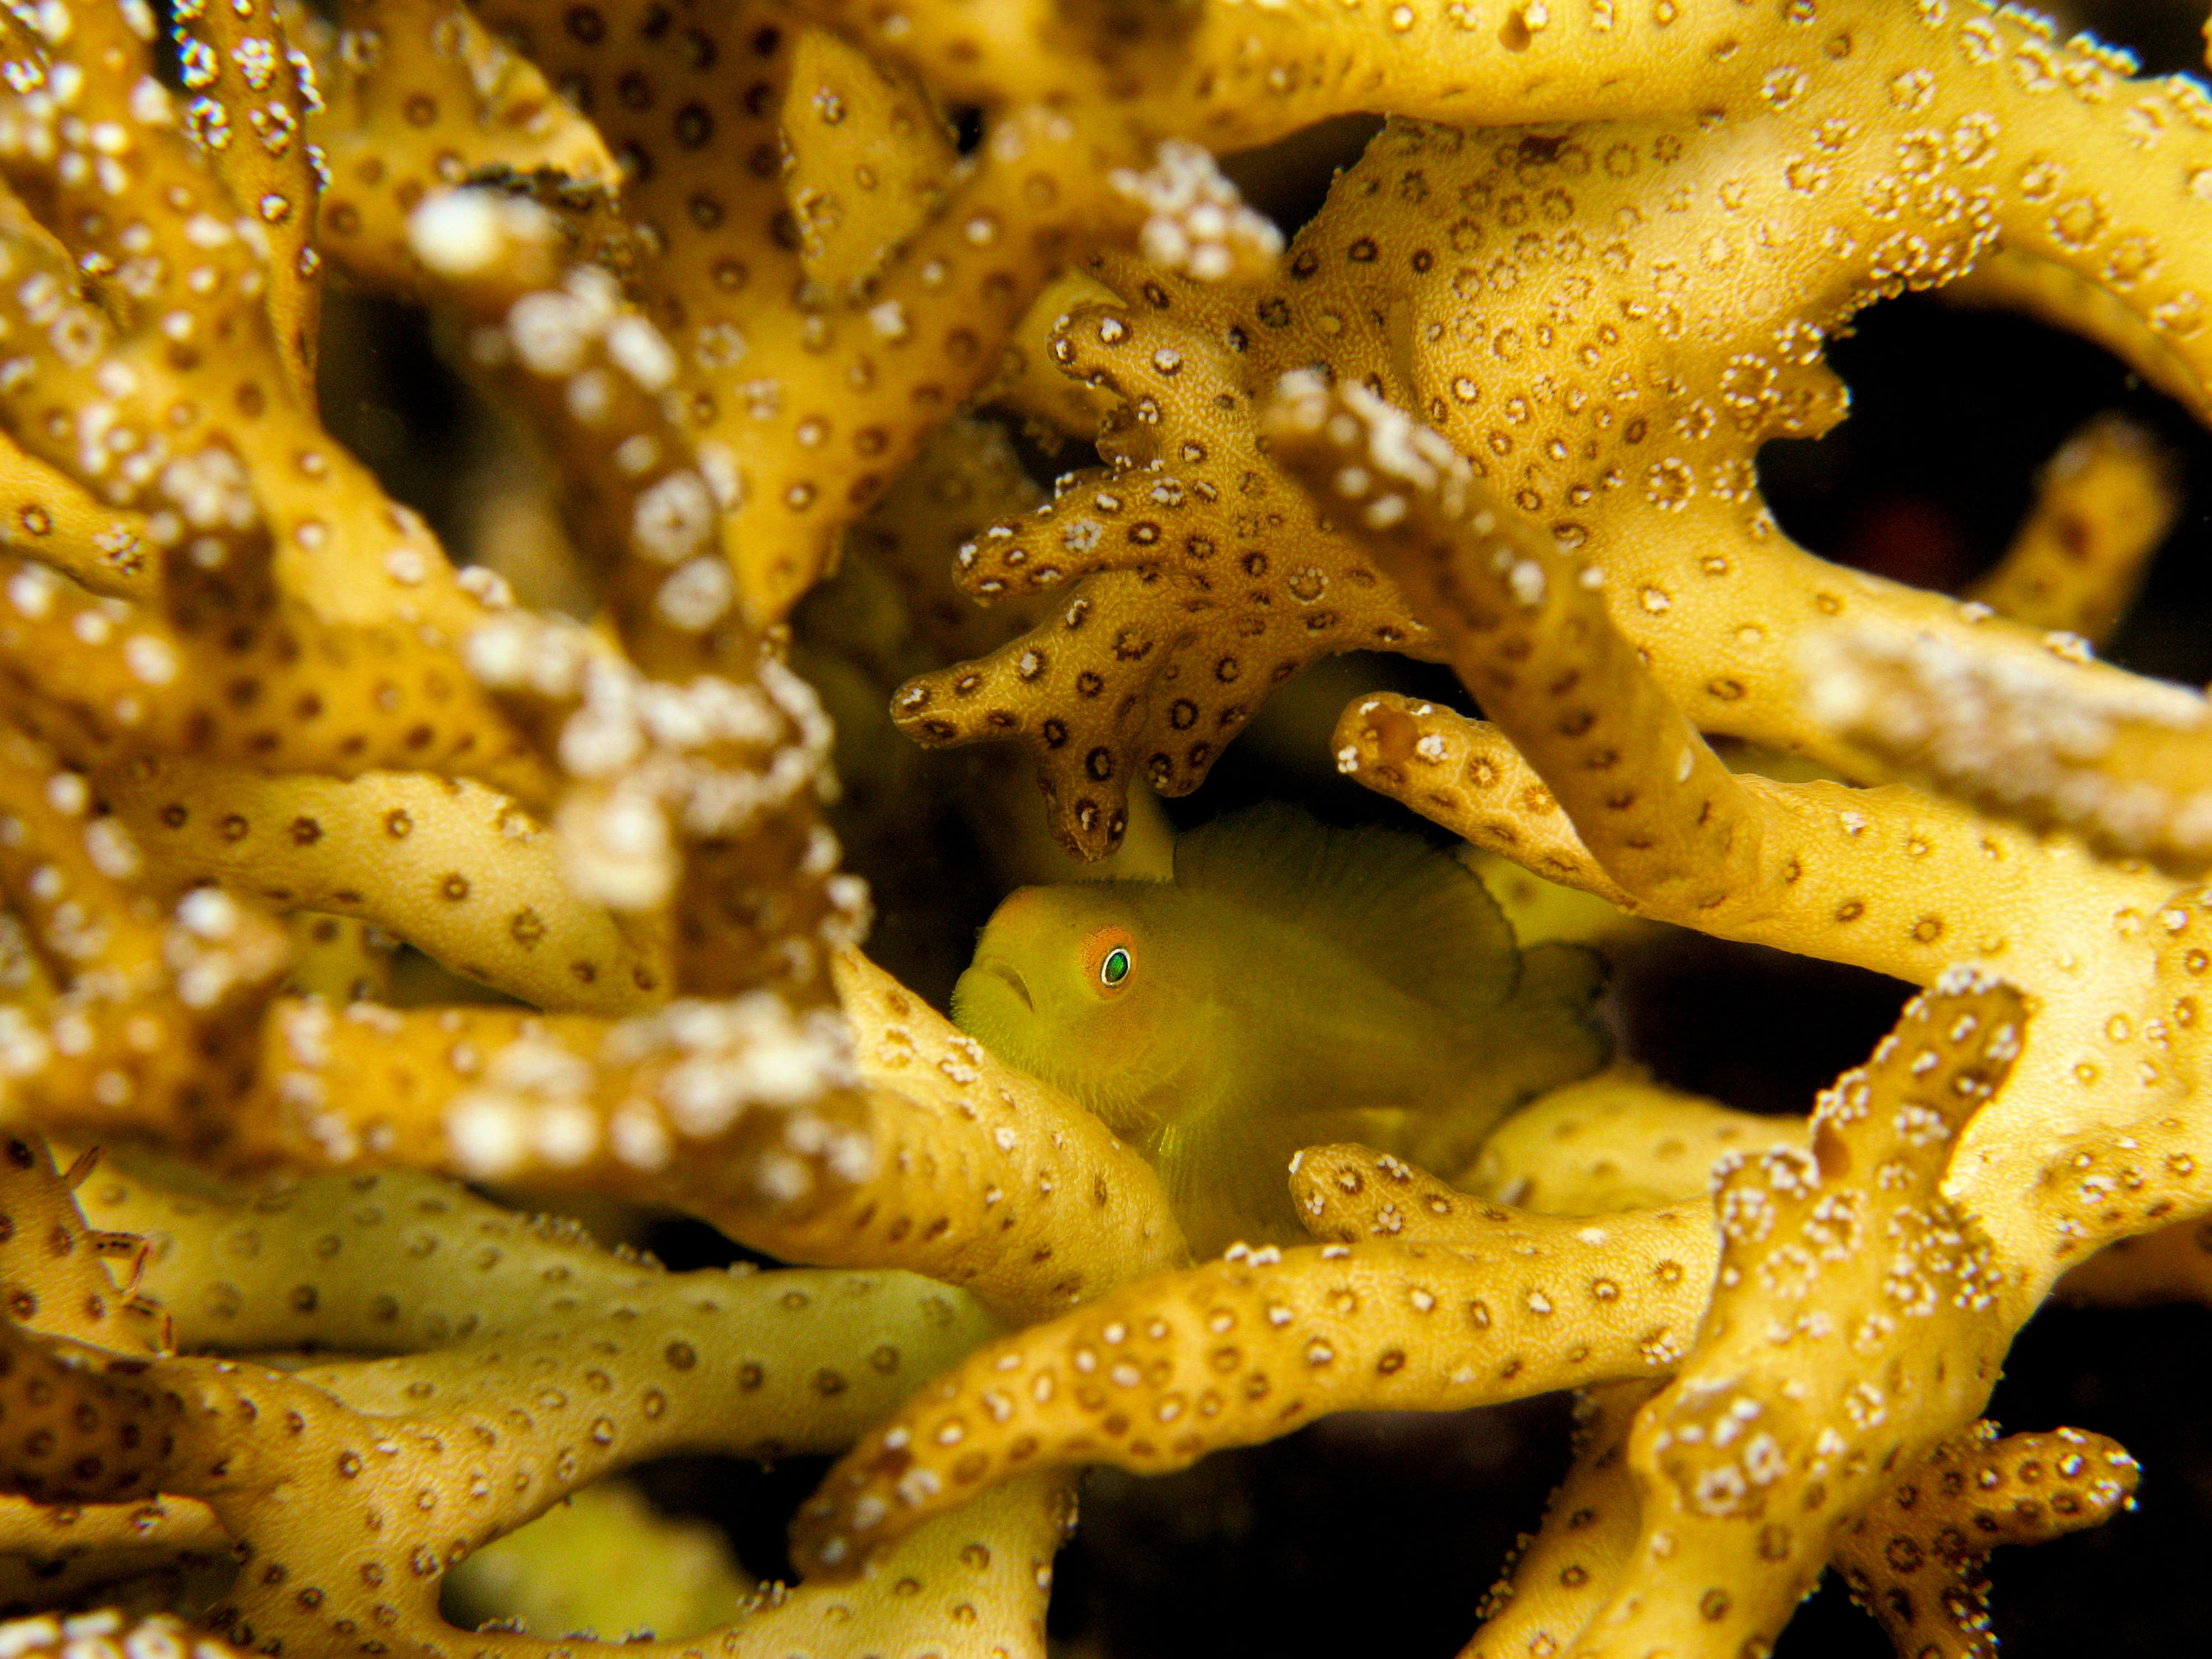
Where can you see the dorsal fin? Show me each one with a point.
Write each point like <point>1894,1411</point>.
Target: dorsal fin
<point>1415,916</point>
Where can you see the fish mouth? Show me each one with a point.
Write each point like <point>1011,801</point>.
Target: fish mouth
<point>1015,981</point>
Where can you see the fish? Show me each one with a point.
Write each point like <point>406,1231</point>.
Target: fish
<point>1291,984</point>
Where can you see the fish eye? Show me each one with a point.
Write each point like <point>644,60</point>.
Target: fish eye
<point>1110,956</point>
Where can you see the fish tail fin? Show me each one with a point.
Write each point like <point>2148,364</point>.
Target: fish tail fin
<point>1561,975</point>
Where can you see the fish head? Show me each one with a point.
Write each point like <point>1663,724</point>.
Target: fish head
<point>1074,984</point>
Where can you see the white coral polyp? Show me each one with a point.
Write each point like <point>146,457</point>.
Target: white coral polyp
<point>672,518</point>
<point>1197,223</point>
<point>729,1057</point>
<point>616,849</point>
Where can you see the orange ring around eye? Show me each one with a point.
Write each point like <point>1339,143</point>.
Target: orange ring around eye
<point>1102,949</point>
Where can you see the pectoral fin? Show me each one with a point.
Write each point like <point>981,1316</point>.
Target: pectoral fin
<point>1227,1168</point>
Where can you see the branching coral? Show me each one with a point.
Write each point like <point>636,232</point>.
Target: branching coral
<point>2122,766</point>
<point>1915,1560</point>
<point>1611,318</point>
<point>2108,499</point>
<point>745,280</point>
<point>1796,1428</point>
<point>311,626</point>
<point>421,1457</point>
<point>1679,835</point>
<point>1246,1348</point>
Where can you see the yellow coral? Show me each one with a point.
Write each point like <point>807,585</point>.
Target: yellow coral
<point>1244,1349</point>
<point>2107,500</point>
<point>743,277</point>
<point>419,1459</point>
<point>651,1572</point>
<point>1914,1559</point>
<point>1612,368</point>
<point>1798,865</point>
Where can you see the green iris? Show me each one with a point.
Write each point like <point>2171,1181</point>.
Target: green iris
<point>1116,968</point>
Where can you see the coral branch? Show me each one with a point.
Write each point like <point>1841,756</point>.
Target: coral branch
<point>107,550</point>
<point>1098,692</point>
<point>743,1106</point>
<point>623,1361</point>
<point>1514,289</point>
<point>1525,628</point>
<point>157,1635</point>
<point>105,682</point>
<point>460,871</point>
<point>1615,1141</point>
<point>825,395</point>
<point>2104,503</point>
<point>870,158</point>
<point>1247,1348</point>
<point>1798,865</point>
<point>419,96</point>
<point>1914,1559</point>
<point>456,1288</point>
<point>1856,1317</point>
<point>1237,78</point>
<point>253,92</point>
<point>2127,766</point>
<point>646,497</point>
<point>64,1277</point>
<point>152,1031</point>
<point>1465,774</point>
<point>984,1177</point>
<point>1561,1578</point>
